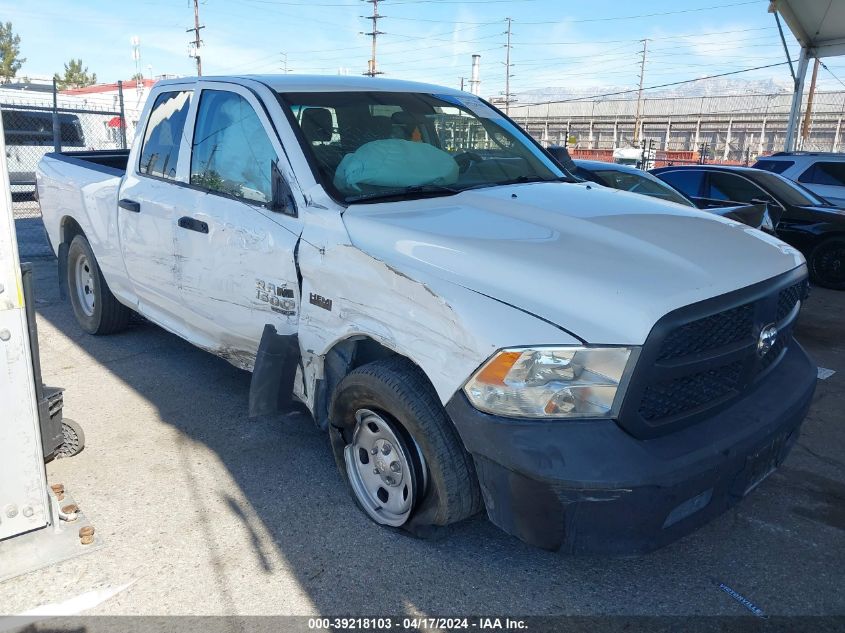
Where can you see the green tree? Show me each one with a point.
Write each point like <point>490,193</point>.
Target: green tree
<point>10,50</point>
<point>138,77</point>
<point>75,76</point>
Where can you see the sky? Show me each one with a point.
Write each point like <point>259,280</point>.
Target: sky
<point>555,43</point>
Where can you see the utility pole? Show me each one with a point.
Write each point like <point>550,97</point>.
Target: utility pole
<point>508,68</point>
<point>640,94</point>
<point>284,66</point>
<point>805,130</point>
<point>372,68</point>
<point>462,83</point>
<point>196,42</point>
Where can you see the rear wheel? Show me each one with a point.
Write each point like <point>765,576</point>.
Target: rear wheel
<point>827,263</point>
<point>94,305</point>
<point>401,455</point>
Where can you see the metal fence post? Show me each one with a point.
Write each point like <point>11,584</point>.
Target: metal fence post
<point>122,114</point>
<point>57,133</point>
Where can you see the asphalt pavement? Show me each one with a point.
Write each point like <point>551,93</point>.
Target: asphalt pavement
<point>204,511</point>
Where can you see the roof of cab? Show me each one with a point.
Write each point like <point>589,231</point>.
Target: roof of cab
<point>325,83</point>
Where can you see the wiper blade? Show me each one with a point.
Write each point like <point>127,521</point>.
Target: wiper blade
<point>415,191</point>
<point>519,180</point>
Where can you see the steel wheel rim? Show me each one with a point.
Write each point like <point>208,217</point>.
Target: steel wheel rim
<point>381,471</point>
<point>85,285</point>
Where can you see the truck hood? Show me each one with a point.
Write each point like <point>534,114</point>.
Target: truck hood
<point>603,264</point>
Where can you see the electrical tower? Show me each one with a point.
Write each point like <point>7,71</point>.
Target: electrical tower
<point>640,94</point>
<point>372,67</point>
<point>194,45</point>
<point>508,75</point>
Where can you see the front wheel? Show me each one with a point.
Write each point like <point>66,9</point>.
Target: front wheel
<point>827,263</point>
<point>400,453</point>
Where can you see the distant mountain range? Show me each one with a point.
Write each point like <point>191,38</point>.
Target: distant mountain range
<point>704,88</point>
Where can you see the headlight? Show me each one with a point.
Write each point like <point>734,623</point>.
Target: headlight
<point>550,382</point>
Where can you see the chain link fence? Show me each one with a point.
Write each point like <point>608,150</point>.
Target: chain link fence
<point>33,127</point>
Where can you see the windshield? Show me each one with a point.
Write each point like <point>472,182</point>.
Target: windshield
<point>381,145</point>
<point>789,192</point>
<point>645,184</point>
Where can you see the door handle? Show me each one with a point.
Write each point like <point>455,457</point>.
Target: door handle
<point>192,224</point>
<point>129,205</point>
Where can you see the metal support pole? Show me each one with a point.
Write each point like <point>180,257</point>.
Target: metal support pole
<point>57,131</point>
<point>797,94</point>
<point>122,114</point>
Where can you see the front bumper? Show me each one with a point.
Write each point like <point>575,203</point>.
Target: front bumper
<point>588,486</point>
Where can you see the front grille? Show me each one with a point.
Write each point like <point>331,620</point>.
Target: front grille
<point>671,397</point>
<point>712,331</point>
<point>704,356</point>
<point>788,297</point>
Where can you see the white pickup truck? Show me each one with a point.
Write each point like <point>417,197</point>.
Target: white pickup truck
<point>472,326</point>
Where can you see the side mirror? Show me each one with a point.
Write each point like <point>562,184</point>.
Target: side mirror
<point>283,200</point>
<point>561,155</point>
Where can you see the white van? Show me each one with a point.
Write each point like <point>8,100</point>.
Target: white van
<point>29,135</point>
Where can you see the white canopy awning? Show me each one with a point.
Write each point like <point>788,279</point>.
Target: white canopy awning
<point>819,27</point>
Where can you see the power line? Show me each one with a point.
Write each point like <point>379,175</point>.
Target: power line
<point>666,85</point>
<point>831,73</point>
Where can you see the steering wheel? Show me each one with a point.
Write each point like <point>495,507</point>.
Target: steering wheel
<point>466,159</point>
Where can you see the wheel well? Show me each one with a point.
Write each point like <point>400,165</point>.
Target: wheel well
<point>341,359</point>
<point>69,229</point>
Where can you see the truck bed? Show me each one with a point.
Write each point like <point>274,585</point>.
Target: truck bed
<point>81,186</point>
<point>114,160</point>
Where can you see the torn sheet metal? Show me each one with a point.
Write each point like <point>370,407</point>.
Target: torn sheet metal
<point>444,328</point>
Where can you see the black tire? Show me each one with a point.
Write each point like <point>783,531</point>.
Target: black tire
<point>107,315</point>
<point>399,389</point>
<point>827,263</point>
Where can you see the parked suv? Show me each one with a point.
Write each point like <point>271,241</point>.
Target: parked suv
<point>823,173</point>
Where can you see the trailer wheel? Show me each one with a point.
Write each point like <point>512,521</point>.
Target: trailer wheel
<point>400,454</point>
<point>74,439</point>
<point>94,305</point>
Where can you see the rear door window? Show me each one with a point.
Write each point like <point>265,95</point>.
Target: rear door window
<point>824,174</point>
<point>724,186</point>
<point>687,181</point>
<point>774,166</point>
<point>163,136</point>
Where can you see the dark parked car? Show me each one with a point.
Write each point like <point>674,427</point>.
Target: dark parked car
<point>635,180</point>
<point>803,219</point>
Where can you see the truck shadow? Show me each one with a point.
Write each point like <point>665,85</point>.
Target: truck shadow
<point>296,517</point>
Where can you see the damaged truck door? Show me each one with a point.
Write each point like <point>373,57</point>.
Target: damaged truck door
<point>234,262</point>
